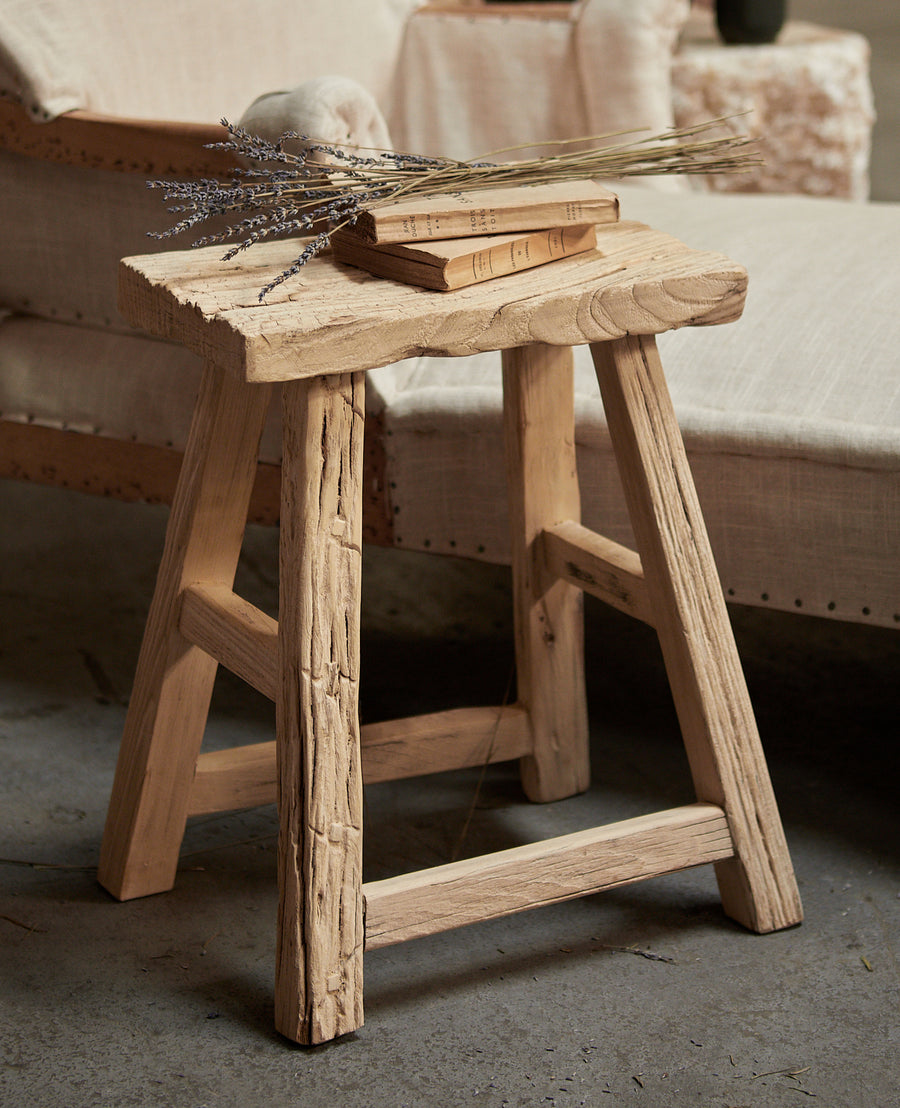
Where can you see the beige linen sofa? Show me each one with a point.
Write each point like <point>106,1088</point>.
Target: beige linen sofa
<point>791,417</point>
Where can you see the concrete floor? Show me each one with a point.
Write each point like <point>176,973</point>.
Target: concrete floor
<point>647,994</point>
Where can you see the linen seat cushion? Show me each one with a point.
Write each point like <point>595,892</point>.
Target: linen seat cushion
<point>791,416</point>
<point>64,230</point>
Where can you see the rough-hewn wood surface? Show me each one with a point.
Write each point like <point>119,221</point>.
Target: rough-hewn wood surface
<point>318,974</point>
<point>317,338</point>
<point>523,877</point>
<point>235,632</point>
<point>245,776</point>
<point>336,319</point>
<point>170,699</point>
<point>717,722</point>
<point>542,480</point>
<point>597,565</point>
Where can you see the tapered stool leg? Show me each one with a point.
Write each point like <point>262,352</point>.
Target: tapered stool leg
<point>318,989</point>
<point>539,428</point>
<point>688,610</point>
<point>170,699</point>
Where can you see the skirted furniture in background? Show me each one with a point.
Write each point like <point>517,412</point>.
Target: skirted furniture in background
<point>806,98</point>
<point>794,437</point>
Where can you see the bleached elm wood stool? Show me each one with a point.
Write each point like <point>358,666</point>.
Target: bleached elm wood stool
<point>316,338</point>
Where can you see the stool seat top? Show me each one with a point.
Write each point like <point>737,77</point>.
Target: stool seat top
<point>334,318</point>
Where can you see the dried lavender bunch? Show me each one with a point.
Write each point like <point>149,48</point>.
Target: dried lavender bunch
<point>322,187</point>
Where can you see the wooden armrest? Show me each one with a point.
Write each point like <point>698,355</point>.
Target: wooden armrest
<point>154,148</point>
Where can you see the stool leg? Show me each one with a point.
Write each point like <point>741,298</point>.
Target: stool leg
<point>318,988</point>
<point>539,428</point>
<point>170,699</point>
<point>725,755</point>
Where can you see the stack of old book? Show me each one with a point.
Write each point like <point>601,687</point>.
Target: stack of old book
<point>447,242</point>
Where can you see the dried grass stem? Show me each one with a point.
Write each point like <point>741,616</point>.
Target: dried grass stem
<point>299,193</point>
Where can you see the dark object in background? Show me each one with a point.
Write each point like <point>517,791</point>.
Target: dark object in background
<point>750,22</point>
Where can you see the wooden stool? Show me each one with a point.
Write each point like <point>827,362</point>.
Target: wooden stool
<point>329,326</point>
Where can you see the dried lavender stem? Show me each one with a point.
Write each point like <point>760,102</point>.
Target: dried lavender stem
<point>305,192</point>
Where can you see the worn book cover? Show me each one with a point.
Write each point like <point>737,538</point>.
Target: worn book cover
<point>454,263</point>
<point>490,212</point>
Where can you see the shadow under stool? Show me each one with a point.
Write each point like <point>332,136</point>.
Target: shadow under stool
<point>314,339</point>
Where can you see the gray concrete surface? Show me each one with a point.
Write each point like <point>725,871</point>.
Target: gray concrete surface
<point>645,995</point>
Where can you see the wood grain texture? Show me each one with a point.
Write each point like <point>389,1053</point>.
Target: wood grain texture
<point>726,758</point>
<point>457,739</point>
<point>235,632</point>
<point>317,336</point>
<point>152,148</point>
<point>318,986</point>
<point>240,777</point>
<point>597,565</point>
<point>336,319</point>
<point>438,899</point>
<point>170,699</point>
<point>461,738</point>
<point>542,480</point>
